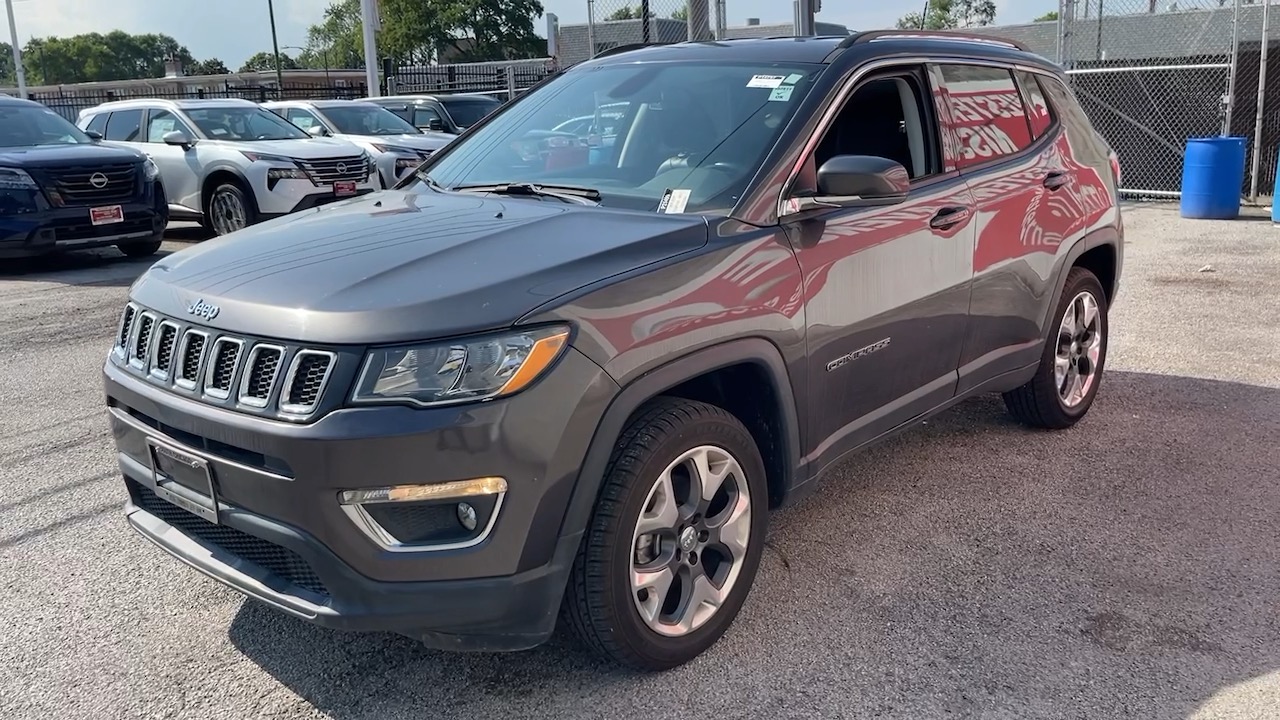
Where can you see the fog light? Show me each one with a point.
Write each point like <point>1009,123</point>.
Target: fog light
<point>435,491</point>
<point>467,516</point>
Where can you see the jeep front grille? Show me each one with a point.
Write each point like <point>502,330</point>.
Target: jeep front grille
<point>327,172</point>
<point>224,369</point>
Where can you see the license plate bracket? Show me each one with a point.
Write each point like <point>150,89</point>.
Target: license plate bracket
<point>184,480</point>
<point>344,188</point>
<point>106,215</point>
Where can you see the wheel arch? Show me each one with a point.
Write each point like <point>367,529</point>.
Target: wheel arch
<point>1098,252</point>
<point>694,376</point>
<point>218,174</point>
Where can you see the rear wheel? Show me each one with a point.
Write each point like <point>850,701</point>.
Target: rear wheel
<point>675,540</point>
<point>1070,371</point>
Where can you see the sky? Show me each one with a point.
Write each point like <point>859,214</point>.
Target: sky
<point>232,30</point>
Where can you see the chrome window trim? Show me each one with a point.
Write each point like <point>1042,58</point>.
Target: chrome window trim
<point>247,375</point>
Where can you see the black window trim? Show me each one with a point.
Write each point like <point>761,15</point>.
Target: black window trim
<point>1037,144</point>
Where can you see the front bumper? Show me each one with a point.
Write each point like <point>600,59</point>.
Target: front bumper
<point>281,197</point>
<point>283,539</point>
<point>47,230</point>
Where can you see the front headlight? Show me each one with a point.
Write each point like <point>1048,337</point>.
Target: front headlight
<point>15,179</point>
<point>463,370</point>
<point>265,157</point>
<point>149,170</point>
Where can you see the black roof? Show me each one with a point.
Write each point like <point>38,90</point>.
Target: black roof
<point>825,49</point>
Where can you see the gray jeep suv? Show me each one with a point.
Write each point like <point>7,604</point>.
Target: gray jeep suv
<point>553,380</point>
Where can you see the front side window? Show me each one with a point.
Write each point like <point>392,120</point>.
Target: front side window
<point>301,118</point>
<point>367,120</point>
<point>695,130</point>
<point>98,124</point>
<point>422,116</point>
<point>986,112</point>
<point>124,126</point>
<point>243,124</point>
<point>27,125</point>
<point>468,111</point>
<point>161,123</point>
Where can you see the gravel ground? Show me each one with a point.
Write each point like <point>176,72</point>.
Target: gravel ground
<point>1125,568</point>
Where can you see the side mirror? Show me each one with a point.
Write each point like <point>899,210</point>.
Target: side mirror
<point>179,138</point>
<point>435,124</point>
<point>94,135</point>
<point>857,181</point>
<point>317,131</point>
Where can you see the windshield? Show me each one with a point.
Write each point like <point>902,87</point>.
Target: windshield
<point>243,123</point>
<point>367,120</point>
<point>694,133</point>
<point>27,125</point>
<point>468,111</point>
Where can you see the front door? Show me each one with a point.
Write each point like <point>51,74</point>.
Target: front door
<point>887,288</point>
<point>179,168</point>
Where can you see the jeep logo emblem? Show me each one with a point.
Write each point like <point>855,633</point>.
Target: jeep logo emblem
<point>202,309</point>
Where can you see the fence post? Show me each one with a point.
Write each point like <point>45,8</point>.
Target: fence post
<point>511,82</point>
<point>591,29</point>
<point>1231,75</point>
<point>1262,101</point>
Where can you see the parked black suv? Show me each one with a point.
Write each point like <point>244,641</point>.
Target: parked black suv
<point>559,374</point>
<point>61,190</point>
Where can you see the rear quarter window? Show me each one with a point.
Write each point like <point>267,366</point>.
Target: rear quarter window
<point>988,117</point>
<point>1039,114</point>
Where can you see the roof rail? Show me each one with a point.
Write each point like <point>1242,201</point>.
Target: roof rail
<point>958,35</point>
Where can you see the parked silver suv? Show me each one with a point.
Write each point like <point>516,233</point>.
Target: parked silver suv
<point>397,147</point>
<point>230,163</point>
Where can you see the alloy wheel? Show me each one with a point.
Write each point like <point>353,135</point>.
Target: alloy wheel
<point>1075,366</point>
<point>690,542</point>
<point>227,212</point>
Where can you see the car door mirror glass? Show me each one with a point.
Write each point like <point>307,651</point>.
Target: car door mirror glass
<point>178,137</point>
<point>317,131</point>
<point>435,124</point>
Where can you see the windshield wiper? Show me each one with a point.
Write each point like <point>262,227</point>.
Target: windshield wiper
<point>567,193</point>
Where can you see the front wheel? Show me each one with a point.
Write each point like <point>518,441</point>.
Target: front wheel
<point>1070,371</point>
<point>142,248</point>
<point>230,209</point>
<point>675,541</point>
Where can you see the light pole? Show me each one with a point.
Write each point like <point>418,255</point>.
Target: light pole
<point>275,48</point>
<point>17,52</point>
<point>324,53</point>
<point>372,23</point>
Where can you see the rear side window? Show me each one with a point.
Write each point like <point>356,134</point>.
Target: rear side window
<point>125,126</point>
<point>1039,114</point>
<point>99,123</point>
<point>987,113</point>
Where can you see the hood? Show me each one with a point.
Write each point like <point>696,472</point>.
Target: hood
<point>52,155</point>
<point>398,266</point>
<point>306,149</point>
<point>431,142</point>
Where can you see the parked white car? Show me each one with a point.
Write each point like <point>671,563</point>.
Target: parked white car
<point>397,147</point>
<point>231,163</point>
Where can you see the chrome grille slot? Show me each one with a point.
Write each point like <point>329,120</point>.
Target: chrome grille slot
<point>260,373</point>
<point>222,367</point>
<point>190,353</point>
<point>165,342</point>
<point>126,327</point>
<point>94,185</point>
<point>329,171</point>
<point>306,379</point>
<point>142,340</point>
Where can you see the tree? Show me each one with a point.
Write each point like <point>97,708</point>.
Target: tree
<point>626,12</point>
<point>421,30</point>
<point>1051,16</point>
<point>951,14</point>
<point>97,57</point>
<point>212,66</point>
<point>7,74</point>
<point>267,61</point>
<point>681,14</point>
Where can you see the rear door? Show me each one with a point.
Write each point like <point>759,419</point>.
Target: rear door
<point>1007,156</point>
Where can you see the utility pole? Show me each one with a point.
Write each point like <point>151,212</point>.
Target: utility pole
<point>805,10</point>
<point>372,23</point>
<point>275,49</point>
<point>17,52</point>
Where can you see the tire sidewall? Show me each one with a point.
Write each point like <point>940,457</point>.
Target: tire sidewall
<point>246,203</point>
<point>635,634</point>
<point>1080,281</point>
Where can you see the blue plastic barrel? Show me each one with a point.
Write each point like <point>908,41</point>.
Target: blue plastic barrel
<point>1212,178</point>
<point>1275,195</point>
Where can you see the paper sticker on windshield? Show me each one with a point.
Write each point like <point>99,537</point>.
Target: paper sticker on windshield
<point>792,79</point>
<point>781,94</point>
<point>674,201</point>
<point>765,81</point>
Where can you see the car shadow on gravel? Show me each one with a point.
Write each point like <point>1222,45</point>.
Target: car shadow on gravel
<point>1124,568</point>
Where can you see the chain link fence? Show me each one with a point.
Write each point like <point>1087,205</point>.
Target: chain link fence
<point>1151,74</point>
<point>615,23</point>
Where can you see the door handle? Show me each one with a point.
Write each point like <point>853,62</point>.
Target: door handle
<point>1055,180</point>
<point>949,217</point>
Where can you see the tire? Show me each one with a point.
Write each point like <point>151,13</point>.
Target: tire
<point>223,224</point>
<point>601,605</point>
<point>142,249</point>
<point>1043,402</point>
